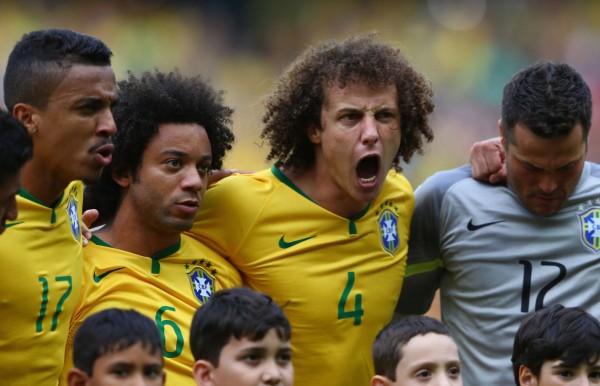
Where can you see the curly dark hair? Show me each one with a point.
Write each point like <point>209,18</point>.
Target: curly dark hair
<point>296,103</point>
<point>144,104</point>
<point>549,98</point>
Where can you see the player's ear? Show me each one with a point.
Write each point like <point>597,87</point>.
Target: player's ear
<point>123,179</point>
<point>380,380</point>
<point>526,377</point>
<point>77,377</point>
<point>314,133</point>
<point>27,115</point>
<point>203,373</point>
<point>501,128</point>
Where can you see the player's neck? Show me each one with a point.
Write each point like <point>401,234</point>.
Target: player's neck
<point>130,234</point>
<point>41,183</point>
<point>325,193</point>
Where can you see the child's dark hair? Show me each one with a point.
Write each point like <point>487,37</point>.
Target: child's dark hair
<point>16,147</point>
<point>237,312</point>
<point>113,330</point>
<point>387,348</point>
<point>569,334</point>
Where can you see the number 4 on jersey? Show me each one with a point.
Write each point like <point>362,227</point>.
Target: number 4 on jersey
<point>358,312</point>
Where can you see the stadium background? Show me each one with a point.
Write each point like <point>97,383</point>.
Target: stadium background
<point>468,49</point>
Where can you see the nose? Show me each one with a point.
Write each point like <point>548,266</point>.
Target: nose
<point>106,126</point>
<point>370,132</point>
<point>271,374</point>
<point>585,381</point>
<point>547,183</point>
<point>192,180</point>
<point>138,380</point>
<point>443,380</point>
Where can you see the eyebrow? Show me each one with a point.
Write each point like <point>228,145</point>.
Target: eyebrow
<point>182,154</point>
<point>91,101</point>
<point>530,164</point>
<point>428,364</point>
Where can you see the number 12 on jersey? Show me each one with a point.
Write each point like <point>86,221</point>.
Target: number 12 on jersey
<point>358,312</point>
<point>527,274</point>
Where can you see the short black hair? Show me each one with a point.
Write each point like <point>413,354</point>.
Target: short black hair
<point>549,98</point>
<point>38,62</point>
<point>237,312</point>
<point>113,330</point>
<point>566,333</point>
<point>16,147</point>
<point>143,104</point>
<point>387,348</point>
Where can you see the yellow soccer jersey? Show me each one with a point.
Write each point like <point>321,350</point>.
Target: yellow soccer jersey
<point>168,288</point>
<point>338,280</point>
<point>40,279</point>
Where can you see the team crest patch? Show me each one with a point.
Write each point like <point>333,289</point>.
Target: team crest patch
<point>388,229</point>
<point>590,228</point>
<point>203,285</point>
<point>73,218</point>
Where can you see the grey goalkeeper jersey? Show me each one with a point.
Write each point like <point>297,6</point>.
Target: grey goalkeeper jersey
<point>495,262</point>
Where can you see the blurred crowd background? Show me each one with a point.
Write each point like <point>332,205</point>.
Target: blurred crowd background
<point>468,49</point>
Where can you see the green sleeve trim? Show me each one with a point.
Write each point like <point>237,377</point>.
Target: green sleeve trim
<point>417,269</point>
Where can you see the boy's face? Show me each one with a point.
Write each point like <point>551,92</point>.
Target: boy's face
<point>555,373</point>
<point>134,365</point>
<point>430,359</point>
<point>247,363</point>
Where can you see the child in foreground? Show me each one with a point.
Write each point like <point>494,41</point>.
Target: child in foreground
<point>240,337</point>
<point>117,347</point>
<point>557,346</point>
<point>416,350</point>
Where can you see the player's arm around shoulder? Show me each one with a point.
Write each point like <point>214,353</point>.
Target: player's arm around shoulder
<point>227,210</point>
<point>425,264</point>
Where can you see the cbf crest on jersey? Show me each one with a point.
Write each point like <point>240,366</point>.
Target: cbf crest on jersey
<point>388,230</point>
<point>590,228</point>
<point>203,285</point>
<point>73,218</point>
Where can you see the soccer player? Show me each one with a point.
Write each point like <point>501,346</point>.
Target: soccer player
<point>15,150</point>
<point>60,85</point>
<point>416,350</point>
<point>498,253</point>
<point>172,131</point>
<point>557,346</point>
<point>117,347</point>
<point>324,231</point>
<point>241,337</point>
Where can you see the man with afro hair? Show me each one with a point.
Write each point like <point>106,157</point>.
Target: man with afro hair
<point>172,130</point>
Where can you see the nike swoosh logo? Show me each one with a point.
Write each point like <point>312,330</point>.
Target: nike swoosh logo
<point>473,227</point>
<point>12,224</point>
<point>97,278</point>
<point>285,244</point>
